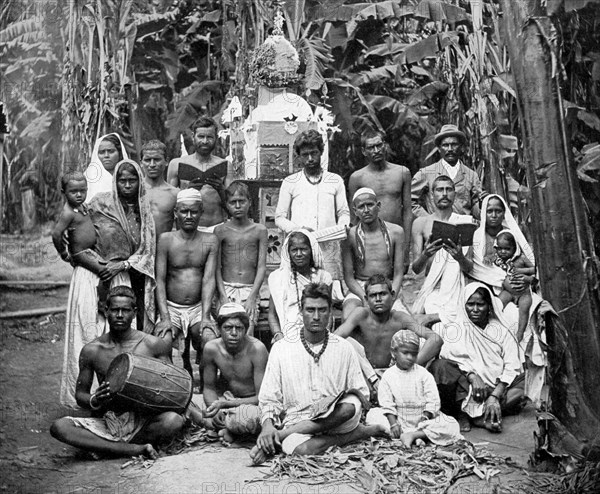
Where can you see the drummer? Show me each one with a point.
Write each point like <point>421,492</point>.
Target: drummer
<point>129,433</point>
<point>234,366</point>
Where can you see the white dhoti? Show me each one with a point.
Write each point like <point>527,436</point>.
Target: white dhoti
<point>239,293</point>
<point>182,317</point>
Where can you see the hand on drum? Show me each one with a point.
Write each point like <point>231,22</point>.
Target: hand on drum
<point>101,396</point>
<point>163,328</point>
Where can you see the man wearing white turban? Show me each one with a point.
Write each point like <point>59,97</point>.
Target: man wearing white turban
<point>186,261</point>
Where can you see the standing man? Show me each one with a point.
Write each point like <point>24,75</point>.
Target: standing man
<point>234,367</point>
<point>186,260</point>
<point>373,246</point>
<point>468,191</point>
<point>130,433</point>
<point>161,195</point>
<point>206,171</point>
<point>313,391</point>
<point>314,199</point>
<point>390,182</point>
<point>445,263</point>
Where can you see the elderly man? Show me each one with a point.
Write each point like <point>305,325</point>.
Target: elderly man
<point>162,196</point>
<point>450,142</point>
<point>204,171</point>
<point>373,246</point>
<point>390,182</point>
<point>313,391</point>
<point>444,262</point>
<point>186,261</point>
<point>314,199</point>
<point>234,366</point>
<point>130,433</point>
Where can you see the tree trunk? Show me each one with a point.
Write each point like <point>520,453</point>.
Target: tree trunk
<point>567,264</point>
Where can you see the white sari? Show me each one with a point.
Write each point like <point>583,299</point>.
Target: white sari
<point>99,179</point>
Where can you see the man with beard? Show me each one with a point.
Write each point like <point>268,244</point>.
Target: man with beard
<point>468,192</point>
<point>372,327</point>
<point>234,366</point>
<point>390,182</point>
<point>314,199</point>
<point>444,262</point>
<point>204,171</point>
<point>373,246</point>
<point>162,196</point>
<point>186,260</point>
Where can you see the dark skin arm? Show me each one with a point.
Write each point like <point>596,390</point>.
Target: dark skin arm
<point>85,380</point>
<point>210,376</point>
<point>261,271</point>
<point>164,326</point>
<point>65,219</point>
<point>209,282</point>
<point>407,216</point>
<point>398,261</point>
<point>274,324</point>
<point>350,324</point>
<point>433,341</point>
<point>348,266</point>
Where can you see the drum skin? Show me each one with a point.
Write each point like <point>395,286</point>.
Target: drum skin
<point>148,385</point>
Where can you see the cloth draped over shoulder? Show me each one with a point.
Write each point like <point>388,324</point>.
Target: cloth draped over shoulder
<point>117,241</point>
<point>285,285</point>
<point>492,352</point>
<point>98,178</point>
<point>360,241</point>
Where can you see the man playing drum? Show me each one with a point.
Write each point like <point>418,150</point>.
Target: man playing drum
<point>130,433</point>
<point>234,366</point>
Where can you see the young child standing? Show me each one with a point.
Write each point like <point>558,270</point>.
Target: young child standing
<point>409,399</point>
<point>243,254</point>
<point>510,258</point>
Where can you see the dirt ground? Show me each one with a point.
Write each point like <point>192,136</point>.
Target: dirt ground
<point>31,461</point>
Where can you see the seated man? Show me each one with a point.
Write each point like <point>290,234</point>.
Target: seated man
<point>371,330</point>
<point>313,391</point>
<point>445,263</point>
<point>373,246</point>
<point>234,366</point>
<point>131,433</point>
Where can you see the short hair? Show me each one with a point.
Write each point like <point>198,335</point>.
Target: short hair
<point>507,236</point>
<point>154,145</point>
<point>442,178</point>
<point>67,177</point>
<point>370,134</point>
<point>309,138</point>
<point>316,290</point>
<point>237,187</point>
<point>378,279</point>
<point>242,316</point>
<point>121,291</point>
<point>204,123</point>
<point>112,138</point>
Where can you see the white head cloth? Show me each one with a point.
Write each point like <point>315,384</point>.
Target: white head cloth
<point>189,195</point>
<point>231,308</point>
<point>363,190</point>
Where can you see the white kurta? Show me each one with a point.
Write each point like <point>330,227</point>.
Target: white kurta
<point>293,382</point>
<point>406,394</point>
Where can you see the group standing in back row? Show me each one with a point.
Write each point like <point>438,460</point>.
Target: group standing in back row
<point>216,260</point>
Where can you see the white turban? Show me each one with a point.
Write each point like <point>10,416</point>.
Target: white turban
<point>363,190</point>
<point>189,195</point>
<point>231,308</point>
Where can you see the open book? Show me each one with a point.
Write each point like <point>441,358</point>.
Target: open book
<point>460,233</point>
<point>189,172</point>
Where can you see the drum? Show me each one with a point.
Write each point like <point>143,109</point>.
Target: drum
<point>148,385</point>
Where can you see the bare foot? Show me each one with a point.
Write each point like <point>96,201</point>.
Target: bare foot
<point>419,443</point>
<point>408,438</point>
<point>464,422</point>
<point>258,456</point>
<point>377,430</point>
<point>225,437</point>
<point>149,451</point>
<point>495,427</point>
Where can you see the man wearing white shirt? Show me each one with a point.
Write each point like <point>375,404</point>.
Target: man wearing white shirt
<point>314,199</point>
<point>450,142</point>
<point>313,390</point>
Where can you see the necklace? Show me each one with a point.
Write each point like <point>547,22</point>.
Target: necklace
<point>315,356</point>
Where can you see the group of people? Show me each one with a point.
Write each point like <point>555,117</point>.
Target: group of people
<point>159,264</point>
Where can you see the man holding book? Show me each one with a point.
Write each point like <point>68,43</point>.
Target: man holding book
<point>445,261</point>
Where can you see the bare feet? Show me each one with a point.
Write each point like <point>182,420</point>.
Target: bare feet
<point>376,430</point>
<point>408,438</point>
<point>258,456</point>
<point>464,422</point>
<point>225,437</point>
<point>495,427</point>
<point>149,451</point>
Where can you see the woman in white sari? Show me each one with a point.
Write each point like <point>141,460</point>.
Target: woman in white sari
<point>495,217</point>
<point>108,151</point>
<point>479,371</point>
<point>301,264</point>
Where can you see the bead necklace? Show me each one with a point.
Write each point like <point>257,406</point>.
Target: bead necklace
<point>315,356</point>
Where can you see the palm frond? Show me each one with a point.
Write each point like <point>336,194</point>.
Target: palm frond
<point>317,55</point>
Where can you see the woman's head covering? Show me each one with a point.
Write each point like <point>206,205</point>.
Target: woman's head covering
<point>317,255</point>
<point>98,178</point>
<point>482,271</point>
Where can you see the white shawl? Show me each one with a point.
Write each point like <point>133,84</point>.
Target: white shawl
<point>98,178</point>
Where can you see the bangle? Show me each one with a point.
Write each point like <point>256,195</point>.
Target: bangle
<point>395,425</point>
<point>97,407</point>
<point>494,396</point>
<point>275,336</point>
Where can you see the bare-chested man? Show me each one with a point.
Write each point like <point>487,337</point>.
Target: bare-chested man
<point>138,433</point>
<point>243,260</point>
<point>207,172</point>
<point>373,246</point>
<point>390,182</point>
<point>234,366</point>
<point>161,195</point>
<point>373,327</point>
<point>186,261</point>
<point>445,263</point>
